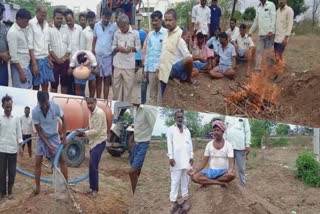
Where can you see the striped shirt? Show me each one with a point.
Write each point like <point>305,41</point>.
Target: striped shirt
<point>75,33</point>
<point>60,41</point>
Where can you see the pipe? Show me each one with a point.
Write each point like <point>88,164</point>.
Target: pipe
<point>55,163</point>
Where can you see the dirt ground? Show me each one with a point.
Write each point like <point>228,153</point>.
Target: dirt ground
<point>113,197</point>
<point>299,89</point>
<point>271,185</point>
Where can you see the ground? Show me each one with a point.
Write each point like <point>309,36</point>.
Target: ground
<point>272,186</point>
<point>113,196</point>
<point>299,88</point>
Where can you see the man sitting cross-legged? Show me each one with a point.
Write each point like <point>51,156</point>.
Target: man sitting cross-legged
<point>244,45</point>
<point>219,154</point>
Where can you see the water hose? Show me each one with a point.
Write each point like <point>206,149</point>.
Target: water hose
<point>55,163</point>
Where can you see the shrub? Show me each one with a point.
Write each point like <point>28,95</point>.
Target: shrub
<point>280,142</point>
<point>308,169</point>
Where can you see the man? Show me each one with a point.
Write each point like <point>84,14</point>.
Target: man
<point>215,17</point>
<point>83,58</point>
<point>19,51</point>
<point>202,54</point>
<point>201,18</point>
<point>233,32</point>
<point>27,129</point>
<point>144,121</point>
<point>10,139</point>
<point>227,59</point>
<point>244,45</point>
<point>83,20</point>
<point>60,51</point>
<point>238,133</point>
<point>97,135</point>
<point>171,41</point>
<point>125,44</point>
<point>219,155</point>
<point>180,153</point>
<point>74,31</point>
<point>4,51</point>
<point>102,48</point>
<point>152,49</point>
<point>214,42</point>
<point>86,39</point>
<point>45,117</point>
<point>38,40</point>
<point>265,21</point>
<point>284,23</point>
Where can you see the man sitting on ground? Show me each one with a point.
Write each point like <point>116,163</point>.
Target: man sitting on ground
<point>219,155</point>
<point>200,50</point>
<point>227,59</point>
<point>214,42</point>
<point>244,45</point>
<point>233,31</point>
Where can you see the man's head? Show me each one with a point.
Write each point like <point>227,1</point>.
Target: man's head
<point>22,17</point>
<point>186,35</point>
<point>156,20</point>
<point>179,117</point>
<point>43,100</point>
<point>83,20</point>
<point>119,12</point>
<point>203,3</point>
<point>91,19</point>
<point>83,59</point>
<point>106,16</point>
<point>41,13</point>
<point>282,3</point>
<point>218,129</point>
<point>91,103</point>
<point>243,30</point>
<point>200,39</point>
<point>68,14</point>
<point>170,18</point>
<point>7,105</point>
<point>223,39</point>
<point>27,111</point>
<point>233,23</point>
<point>58,17</point>
<point>2,9</point>
<point>123,23</point>
<point>214,2</point>
<point>217,32</point>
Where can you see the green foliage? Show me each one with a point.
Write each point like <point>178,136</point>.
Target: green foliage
<point>259,130</point>
<point>184,12</point>
<point>308,169</point>
<point>282,141</point>
<point>282,129</point>
<point>297,6</point>
<point>249,14</point>
<point>32,4</point>
<point>127,117</point>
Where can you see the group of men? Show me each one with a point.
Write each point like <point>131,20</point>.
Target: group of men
<point>230,144</point>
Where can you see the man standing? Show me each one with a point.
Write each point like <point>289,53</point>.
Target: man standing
<point>201,18</point>
<point>10,139</point>
<point>83,20</point>
<point>97,135</point>
<point>45,117</point>
<point>125,44</point>
<point>60,51</point>
<point>144,121</point>
<point>19,51</point>
<point>102,48</point>
<point>171,41</point>
<point>233,32</point>
<point>215,17</point>
<point>284,23</point>
<point>180,153</point>
<point>265,21</point>
<point>4,51</point>
<point>238,133</point>
<point>27,129</point>
<point>38,40</point>
<point>153,48</point>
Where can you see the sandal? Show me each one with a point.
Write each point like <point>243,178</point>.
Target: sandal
<point>93,194</point>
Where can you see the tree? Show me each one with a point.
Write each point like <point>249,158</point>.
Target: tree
<point>282,129</point>
<point>32,4</point>
<point>183,10</point>
<point>297,6</point>
<point>249,14</point>
<point>259,130</point>
<point>315,11</point>
<point>233,8</point>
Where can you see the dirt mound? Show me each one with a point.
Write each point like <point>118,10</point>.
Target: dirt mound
<point>215,199</point>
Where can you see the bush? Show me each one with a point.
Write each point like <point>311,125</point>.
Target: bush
<point>249,14</point>
<point>280,142</point>
<point>308,169</point>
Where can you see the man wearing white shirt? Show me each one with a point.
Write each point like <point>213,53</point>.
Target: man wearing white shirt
<point>201,18</point>
<point>60,51</point>
<point>233,32</point>
<point>265,22</point>
<point>180,153</point>
<point>27,129</point>
<point>10,139</point>
<point>284,23</point>
<point>238,133</point>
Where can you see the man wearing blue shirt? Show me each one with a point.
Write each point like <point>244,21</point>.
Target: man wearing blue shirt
<point>102,47</point>
<point>215,17</point>
<point>214,41</point>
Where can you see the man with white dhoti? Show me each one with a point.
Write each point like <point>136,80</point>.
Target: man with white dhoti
<point>180,153</point>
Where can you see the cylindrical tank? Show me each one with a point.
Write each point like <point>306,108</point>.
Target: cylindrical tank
<point>76,112</point>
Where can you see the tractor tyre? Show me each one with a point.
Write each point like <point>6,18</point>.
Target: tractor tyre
<point>74,152</point>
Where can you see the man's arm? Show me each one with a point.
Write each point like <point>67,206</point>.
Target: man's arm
<point>19,132</point>
<point>169,144</point>
<point>41,135</point>
<point>82,40</point>
<point>96,128</point>
<point>94,41</point>
<point>231,164</point>
<point>64,131</point>
<point>144,50</point>
<point>193,17</point>
<point>137,42</point>
<point>255,23</point>
<point>273,14</point>
<point>202,164</point>
<point>290,25</point>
